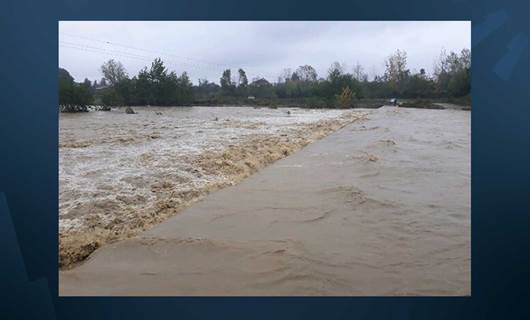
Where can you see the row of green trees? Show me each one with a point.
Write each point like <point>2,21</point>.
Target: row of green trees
<point>304,82</point>
<point>451,79</point>
<point>154,86</point>
<point>158,86</point>
<point>73,96</point>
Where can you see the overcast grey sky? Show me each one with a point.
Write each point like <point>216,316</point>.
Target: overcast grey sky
<point>264,48</point>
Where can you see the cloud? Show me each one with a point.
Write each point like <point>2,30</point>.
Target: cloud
<point>262,48</point>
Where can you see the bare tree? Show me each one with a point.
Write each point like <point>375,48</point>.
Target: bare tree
<point>358,72</point>
<point>113,71</point>
<point>306,73</point>
<point>285,75</point>
<point>396,70</point>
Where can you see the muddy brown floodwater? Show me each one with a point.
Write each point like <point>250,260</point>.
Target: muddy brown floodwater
<point>120,174</point>
<point>380,207</point>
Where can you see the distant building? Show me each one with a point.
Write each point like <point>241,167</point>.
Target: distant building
<point>260,82</point>
<point>101,87</point>
<point>251,98</point>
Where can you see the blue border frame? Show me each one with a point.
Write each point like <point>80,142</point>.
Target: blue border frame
<point>29,161</point>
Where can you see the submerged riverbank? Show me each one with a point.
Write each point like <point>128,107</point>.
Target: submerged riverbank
<point>121,174</point>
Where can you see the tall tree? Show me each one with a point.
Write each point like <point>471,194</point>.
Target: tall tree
<point>73,97</point>
<point>87,83</point>
<point>307,73</point>
<point>243,81</point>
<point>158,71</point>
<point>162,84</point>
<point>295,77</point>
<point>358,73</point>
<point>285,75</point>
<point>396,71</point>
<point>227,85</point>
<point>453,73</point>
<point>184,89</point>
<point>335,71</point>
<point>113,71</point>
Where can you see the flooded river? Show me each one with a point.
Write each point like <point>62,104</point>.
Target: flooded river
<point>380,207</point>
<point>119,174</point>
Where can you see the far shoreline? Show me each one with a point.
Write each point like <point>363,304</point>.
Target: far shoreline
<point>461,104</point>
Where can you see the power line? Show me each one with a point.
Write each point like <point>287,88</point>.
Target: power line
<point>111,43</point>
<point>118,53</point>
<point>104,50</point>
<point>146,50</point>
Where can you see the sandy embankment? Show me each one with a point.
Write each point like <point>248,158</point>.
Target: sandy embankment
<point>89,220</point>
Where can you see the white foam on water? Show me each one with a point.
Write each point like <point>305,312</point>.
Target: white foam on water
<point>104,156</point>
